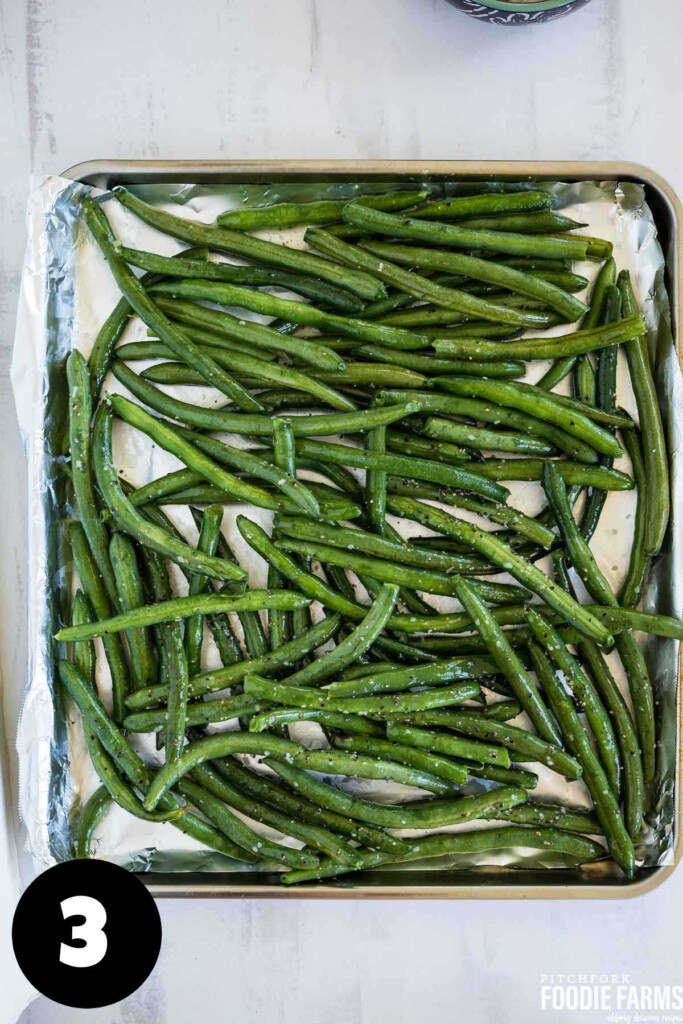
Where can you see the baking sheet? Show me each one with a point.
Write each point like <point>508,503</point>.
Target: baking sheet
<point>67,291</point>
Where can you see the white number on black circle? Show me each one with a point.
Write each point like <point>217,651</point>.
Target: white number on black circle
<point>90,931</point>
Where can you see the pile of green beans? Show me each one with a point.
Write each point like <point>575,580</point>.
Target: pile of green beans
<point>375,403</point>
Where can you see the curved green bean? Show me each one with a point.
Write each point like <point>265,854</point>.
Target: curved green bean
<point>91,815</point>
<point>639,560</point>
<point>256,249</point>
<point>384,749</point>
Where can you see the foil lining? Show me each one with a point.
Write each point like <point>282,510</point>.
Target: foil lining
<point>67,292</point>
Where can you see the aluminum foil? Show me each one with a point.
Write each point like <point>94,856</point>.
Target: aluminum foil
<point>67,292</point>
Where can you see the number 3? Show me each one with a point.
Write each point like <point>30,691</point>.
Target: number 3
<point>91,932</point>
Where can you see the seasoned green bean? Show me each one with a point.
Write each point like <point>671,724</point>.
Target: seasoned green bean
<point>421,287</point>
<point>399,552</point>
<point>509,663</point>
<point>89,818</point>
<point>570,472</point>
<point>178,266</point>
<point>557,815</point>
<point>298,312</point>
<point>417,814</point>
<point>93,588</point>
<point>576,737</point>
<point>639,560</point>
<point>152,315</point>
<point>487,440</point>
<point>464,207</point>
<point>197,319</point>
<point>205,712</point>
<point>241,423</point>
<point>322,211</point>
<point>654,443</point>
<point>453,746</point>
<point>442,767</point>
<point>209,533</point>
<point>398,679</point>
<point>415,468</point>
<point>80,416</point>
<point>462,237</point>
<point>256,249</point>
<point>482,270</point>
<point>479,841</point>
<point>131,595</point>
<point>328,719</point>
<point>502,555</point>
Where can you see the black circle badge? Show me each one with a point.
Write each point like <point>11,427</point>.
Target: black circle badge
<point>86,933</point>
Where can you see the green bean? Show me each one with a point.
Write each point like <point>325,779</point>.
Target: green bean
<point>238,831</point>
<point>577,546</point>
<point>416,814</point>
<point>430,365</point>
<point>482,270</point>
<point>586,695</point>
<point>374,375</point>
<point>132,766</point>
<point>427,580</point>
<point>240,423</point>
<point>634,796</point>
<point>89,818</point>
<point>182,608</point>
<point>519,741</point>
<point>376,481</point>
<point>316,589</point>
<point>177,266</point>
<point>371,544</point>
<point>83,654</point>
<point>535,402</point>
<point>497,414</point>
<point>262,787</point>
<point>570,472</point>
<point>420,287</point>
<point>80,416</point>
<point>488,440</point>
<point>603,338</point>
<point>442,767</point>
<point>130,520</point>
<point>93,588</point>
<point>301,696</point>
<point>654,444</point>
<point>152,315</point>
<point>270,661</point>
<point>452,746</point>
<point>153,349</point>
<point>557,815</point>
<point>417,469</point>
<point>462,237</point>
<point>623,620</point>
<point>208,748</point>
<point>196,319</point>
<point>194,627</point>
<point>399,679</point>
<point>109,334</point>
<point>642,697</point>
<point>331,508</point>
<point>596,248</point>
<point>639,560</point>
<point>298,312</point>
<point>458,207</point>
<point>504,557</point>
<point>118,789</point>
<point>177,373</point>
<point>606,807</point>
<point>176,441</point>
<point>256,249</point>
<point>561,367</point>
<point>504,515</point>
<point>131,596</point>
<point>338,762</point>
<point>424,448</point>
<point>509,663</point>
<point>319,838</point>
<point>249,462</point>
<point>585,385</point>
<point>328,719</point>
<point>479,841</point>
<point>544,223</point>
<point>321,211</point>
<point>353,646</point>
<point>205,712</point>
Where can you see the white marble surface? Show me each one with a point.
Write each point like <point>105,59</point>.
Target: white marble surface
<point>332,78</point>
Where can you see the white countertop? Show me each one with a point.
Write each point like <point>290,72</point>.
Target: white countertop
<point>333,78</point>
